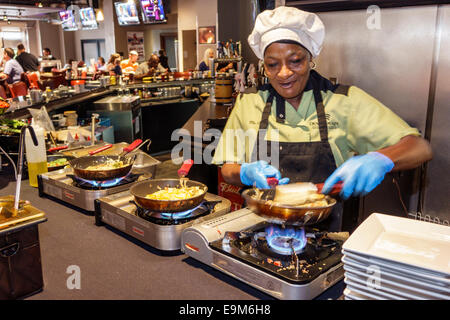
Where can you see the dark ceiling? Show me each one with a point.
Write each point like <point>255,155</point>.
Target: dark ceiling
<point>46,3</point>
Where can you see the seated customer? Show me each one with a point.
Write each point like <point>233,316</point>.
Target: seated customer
<point>149,68</point>
<point>130,64</point>
<point>111,62</point>
<point>12,69</point>
<point>117,70</point>
<point>28,61</point>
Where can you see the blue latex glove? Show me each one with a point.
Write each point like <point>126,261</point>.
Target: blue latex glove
<point>256,174</point>
<point>360,174</point>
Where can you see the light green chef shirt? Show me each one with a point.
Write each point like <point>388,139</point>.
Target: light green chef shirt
<point>357,123</point>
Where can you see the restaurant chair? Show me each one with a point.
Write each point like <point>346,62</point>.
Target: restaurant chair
<point>24,78</point>
<point>18,89</point>
<point>33,79</point>
<point>3,92</point>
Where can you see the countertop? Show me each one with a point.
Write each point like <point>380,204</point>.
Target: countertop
<point>116,266</point>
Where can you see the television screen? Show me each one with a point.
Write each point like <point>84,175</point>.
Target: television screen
<point>87,17</point>
<point>126,13</point>
<point>68,20</point>
<point>153,11</point>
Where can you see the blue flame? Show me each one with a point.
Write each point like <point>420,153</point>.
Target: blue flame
<point>283,240</point>
<point>103,184</point>
<point>178,215</point>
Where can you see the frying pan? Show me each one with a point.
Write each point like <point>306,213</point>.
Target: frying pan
<point>141,189</point>
<point>51,158</point>
<point>81,164</point>
<point>260,202</point>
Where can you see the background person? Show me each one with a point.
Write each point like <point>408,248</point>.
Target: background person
<point>130,64</point>
<point>12,69</point>
<point>204,64</point>
<point>163,59</point>
<point>28,61</point>
<point>47,55</point>
<point>149,68</point>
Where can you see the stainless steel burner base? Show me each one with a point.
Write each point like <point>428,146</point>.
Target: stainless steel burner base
<point>196,244</point>
<point>58,185</point>
<point>117,211</point>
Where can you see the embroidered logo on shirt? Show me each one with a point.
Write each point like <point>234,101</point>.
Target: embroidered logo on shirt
<point>332,123</point>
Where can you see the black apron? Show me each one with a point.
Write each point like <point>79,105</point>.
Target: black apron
<point>304,161</point>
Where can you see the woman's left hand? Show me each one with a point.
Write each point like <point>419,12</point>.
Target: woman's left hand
<point>360,174</point>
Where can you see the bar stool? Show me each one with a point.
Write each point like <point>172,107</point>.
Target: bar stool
<point>33,80</point>
<point>18,89</point>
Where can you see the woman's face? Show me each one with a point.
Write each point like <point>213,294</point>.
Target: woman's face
<point>287,67</point>
<point>211,54</point>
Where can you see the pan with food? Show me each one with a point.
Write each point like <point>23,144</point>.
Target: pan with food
<point>102,168</point>
<point>168,195</point>
<point>296,204</point>
<point>56,162</point>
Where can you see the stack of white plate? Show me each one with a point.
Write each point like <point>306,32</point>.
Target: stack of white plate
<point>393,258</point>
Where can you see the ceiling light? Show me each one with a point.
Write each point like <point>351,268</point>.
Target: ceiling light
<point>5,18</point>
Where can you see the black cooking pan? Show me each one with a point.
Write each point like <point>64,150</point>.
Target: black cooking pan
<point>81,164</point>
<point>140,190</point>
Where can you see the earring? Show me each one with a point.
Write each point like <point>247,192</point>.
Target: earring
<point>313,66</point>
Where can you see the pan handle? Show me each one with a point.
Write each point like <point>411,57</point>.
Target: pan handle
<point>132,146</point>
<point>57,148</point>
<point>184,170</point>
<point>272,182</point>
<point>337,188</point>
<point>100,149</point>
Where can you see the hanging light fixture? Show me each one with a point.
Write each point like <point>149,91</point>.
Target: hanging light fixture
<point>99,15</point>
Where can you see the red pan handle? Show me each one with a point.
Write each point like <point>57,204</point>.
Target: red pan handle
<point>184,170</point>
<point>57,148</point>
<point>272,182</point>
<point>337,188</point>
<point>133,145</point>
<point>100,149</point>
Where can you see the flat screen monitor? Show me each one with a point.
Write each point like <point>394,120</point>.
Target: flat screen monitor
<point>87,17</point>
<point>153,11</point>
<point>68,20</point>
<point>127,13</point>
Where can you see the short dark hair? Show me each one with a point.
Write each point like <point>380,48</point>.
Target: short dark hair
<point>20,46</point>
<point>47,49</point>
<point>10,52</point>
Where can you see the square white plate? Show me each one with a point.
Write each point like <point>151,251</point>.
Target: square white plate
<point>411,242</point>
<point>393,288</point>
<point>372,294</point>
<point>387,281</point>
<point>398,269</point>
<point>350,295</point>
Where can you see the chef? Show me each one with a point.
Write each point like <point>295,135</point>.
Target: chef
<point>325,133</point>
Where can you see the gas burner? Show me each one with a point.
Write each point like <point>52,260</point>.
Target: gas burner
<point>99,185</point>
<point>174,218</point>
<point>286,253</point>
<point>285,241</point>
<point>178,215</point>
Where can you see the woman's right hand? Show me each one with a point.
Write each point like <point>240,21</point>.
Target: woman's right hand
<point>256,174</point>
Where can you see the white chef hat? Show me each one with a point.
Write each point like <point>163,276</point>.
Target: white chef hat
<point>287,23</point>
